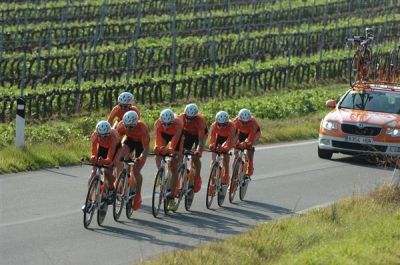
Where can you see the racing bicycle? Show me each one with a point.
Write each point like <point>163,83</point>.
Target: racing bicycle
<point>185,181</point>
<point>215,186</point>
<point>160,187</point>
<point>125,191</point>
<point>361,61</point>
<point>239,177</point>
<point>96,198</point>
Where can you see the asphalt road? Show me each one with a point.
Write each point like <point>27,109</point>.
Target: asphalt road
<point>41,220</point>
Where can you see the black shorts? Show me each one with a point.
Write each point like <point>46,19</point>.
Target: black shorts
<point>190,141</point>
<point>221,140</point>
<point>168,138</point>
<point>134,146</point>
<point>243,136</point>
<point>103,152</point>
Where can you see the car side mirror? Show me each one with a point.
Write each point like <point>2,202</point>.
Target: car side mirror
<point>330,103</point>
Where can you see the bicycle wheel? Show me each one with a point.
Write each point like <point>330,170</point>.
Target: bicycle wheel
<point>211,187</point>
<point>90,203</point>
<point>118,203</point>
<point>102,211</point>
<point>234,180</point>
<point>158,191</point>
<point>354,70</point>
<point>128,207</point>
<point>181,185</point>
<point>243,186</point>
<point>189,195</point>
<point>221,190</point>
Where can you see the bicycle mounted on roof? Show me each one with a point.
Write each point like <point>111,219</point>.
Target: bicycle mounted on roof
<point>361,61</point>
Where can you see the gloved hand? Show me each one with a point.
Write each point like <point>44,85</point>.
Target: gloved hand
<point>168,150</point>
<point>243,145</point>
<point>198,153</point>
<point>212,147</point>
<point>157,150</point>
<point>223,149</point>
<point>93,159</point>
<point>106,161</point>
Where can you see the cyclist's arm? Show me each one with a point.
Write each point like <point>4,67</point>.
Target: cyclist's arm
<point>175,139</point>
<point>228,144</point>
<point>112,149</point>
<point>254,130</point>
<point>213,135</point>
<point>202,135</point>
<point>112,115</point>
<point>159,140</point>
<point>95,143</point>
<point>145,140</point>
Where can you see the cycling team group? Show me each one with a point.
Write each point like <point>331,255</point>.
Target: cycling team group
<point>173,134</point>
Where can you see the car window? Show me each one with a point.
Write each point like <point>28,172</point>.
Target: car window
<point>377,101</point>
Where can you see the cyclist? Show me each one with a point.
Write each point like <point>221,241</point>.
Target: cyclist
<point>249,133</point>
<point>168,133</point>
<point>125,101</point>
<point>195,132</point>
<point>136,137</point>
<point>223,134</point>
<point>104,144</point>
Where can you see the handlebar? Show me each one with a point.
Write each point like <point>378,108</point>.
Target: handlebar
<point>218,153</point>
<point>95,164</point>
<point>129,161</point>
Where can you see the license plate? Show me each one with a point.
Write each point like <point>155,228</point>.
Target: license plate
<point>360,140</point>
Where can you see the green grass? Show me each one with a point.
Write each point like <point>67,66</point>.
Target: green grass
<point>355,230</point>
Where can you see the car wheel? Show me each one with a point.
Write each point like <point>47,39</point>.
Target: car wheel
<point>324,154</point>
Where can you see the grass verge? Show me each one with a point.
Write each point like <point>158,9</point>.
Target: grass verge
<point>338,234</point>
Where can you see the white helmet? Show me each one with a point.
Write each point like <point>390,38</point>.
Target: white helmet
<point>191,110</point>
<point>222,117</point>
<point>244,115</point>
<point>167,116</point>
<point>103,128</point>
<point>130,118</point>
<point>125,98</point>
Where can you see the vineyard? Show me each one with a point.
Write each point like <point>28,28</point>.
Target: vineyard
<point>72,56</point>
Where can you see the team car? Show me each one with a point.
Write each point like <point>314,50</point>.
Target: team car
<point>366,120</point>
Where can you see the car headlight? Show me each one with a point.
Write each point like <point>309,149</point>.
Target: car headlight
<point>394,132</point>
<point>330,125</point>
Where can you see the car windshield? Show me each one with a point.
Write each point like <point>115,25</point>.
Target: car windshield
<point>378,101</point>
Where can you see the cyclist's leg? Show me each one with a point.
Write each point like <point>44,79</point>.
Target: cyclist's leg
<point>250,156</point>
<point>225,176</point>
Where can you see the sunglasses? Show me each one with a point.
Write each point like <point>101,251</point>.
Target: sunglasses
<point>124,106</point>
<point>222,124</point>
<point>130,126</point>
<point>104,135</point>
<point>190,118</point>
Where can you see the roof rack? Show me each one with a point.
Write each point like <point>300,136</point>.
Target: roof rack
<point>377,85</point>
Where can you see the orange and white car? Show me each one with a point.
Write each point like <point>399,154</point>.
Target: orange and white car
<point>366,120</point>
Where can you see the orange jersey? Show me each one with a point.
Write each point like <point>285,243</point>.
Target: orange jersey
<point>251,128</point>
<point>229,131</point>
<point>110,142</point>
<point>197,126</point>
<point>175,130</point>
<point>138,134</point>
<point>117,112</point>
